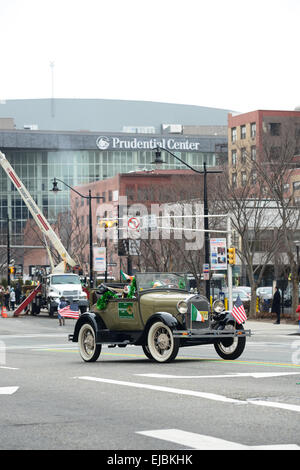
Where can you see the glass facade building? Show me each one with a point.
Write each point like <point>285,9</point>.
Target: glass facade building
<point>78,158</point>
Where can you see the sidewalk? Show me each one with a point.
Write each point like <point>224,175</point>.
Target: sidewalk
<point>267,328</point>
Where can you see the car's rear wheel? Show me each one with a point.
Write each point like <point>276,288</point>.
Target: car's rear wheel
<point>231,348</point>
<point>161,345</point>
<point>89,350</point>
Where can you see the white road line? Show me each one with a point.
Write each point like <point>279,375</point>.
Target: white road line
<point>10,368</point>
<point>256,375</point>
<point>202,442</point>
<point>8,390</point>
<point>209,396</point>
<point>275,404</point>
<point>179,391</point>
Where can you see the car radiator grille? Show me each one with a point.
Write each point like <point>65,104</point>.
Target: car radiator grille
<point>198,314</point>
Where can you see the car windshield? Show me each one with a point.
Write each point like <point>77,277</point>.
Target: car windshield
<point>65,279</point>
<point>161,280</point>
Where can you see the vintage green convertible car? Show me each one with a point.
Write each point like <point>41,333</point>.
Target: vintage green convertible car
<point>159,314</point>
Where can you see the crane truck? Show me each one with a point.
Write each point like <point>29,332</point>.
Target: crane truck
<point>59,282</point>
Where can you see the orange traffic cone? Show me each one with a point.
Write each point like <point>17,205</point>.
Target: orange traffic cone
<point>3,312</point>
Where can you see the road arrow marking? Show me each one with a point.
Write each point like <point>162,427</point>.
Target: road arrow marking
<point>202,442</point>
<point>8,390</point>
<point>256,375</point>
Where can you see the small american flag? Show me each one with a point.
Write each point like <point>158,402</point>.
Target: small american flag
<point>238,311</point>
<point>70,311</point>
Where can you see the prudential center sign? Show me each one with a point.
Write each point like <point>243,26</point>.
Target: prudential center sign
<point>137,143</point>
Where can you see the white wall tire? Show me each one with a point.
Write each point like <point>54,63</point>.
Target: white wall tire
<point>88,349</point>
<point>231,349</point>
<point>161,344</point>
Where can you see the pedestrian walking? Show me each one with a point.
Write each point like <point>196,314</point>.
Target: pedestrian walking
<point>12,298</point>
<point>276,305</point>
<point>62,303</point>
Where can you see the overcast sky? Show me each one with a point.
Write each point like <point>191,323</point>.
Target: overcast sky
<point>240,55</point>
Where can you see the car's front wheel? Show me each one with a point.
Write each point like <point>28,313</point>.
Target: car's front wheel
<point>161,345</point>
<point>89,350</point>
<point>231,348</point>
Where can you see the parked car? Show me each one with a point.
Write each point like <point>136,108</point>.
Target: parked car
<point>246,289</point>
<point>237,291</point>
<point>160,315</point>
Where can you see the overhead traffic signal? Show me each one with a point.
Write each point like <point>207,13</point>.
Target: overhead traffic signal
<point>231,255</point>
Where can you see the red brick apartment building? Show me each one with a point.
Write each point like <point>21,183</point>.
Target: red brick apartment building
<point>246,136</point>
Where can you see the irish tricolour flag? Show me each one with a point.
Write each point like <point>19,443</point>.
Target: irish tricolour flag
<point>196,315</point>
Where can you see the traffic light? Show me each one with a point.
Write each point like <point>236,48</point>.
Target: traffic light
<point>12,269</point>
<point>231,255</point>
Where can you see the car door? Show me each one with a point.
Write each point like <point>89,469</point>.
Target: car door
<point>122,314</point>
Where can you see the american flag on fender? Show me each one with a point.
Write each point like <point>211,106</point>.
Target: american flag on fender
<point>70,311</point>
<point>238,311</point>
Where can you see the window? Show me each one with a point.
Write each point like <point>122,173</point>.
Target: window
<point>234,180</point>
<point>243,132</point>
<point>253,153</point>
<point>274,128</point>
<point>253,177</point>
<point>110,195</point>
<point>244,178</point>
<point>296,185</point>
<point>253,129</point>
<point>244,155</point>
<point>233,134</point>
<point>233,158</point>
<point>286,187</point>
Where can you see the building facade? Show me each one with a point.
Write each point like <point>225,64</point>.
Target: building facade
<point>79,158</point>
<point>247,134</point>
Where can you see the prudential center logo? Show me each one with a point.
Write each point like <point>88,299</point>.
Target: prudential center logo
<point>103,143</point>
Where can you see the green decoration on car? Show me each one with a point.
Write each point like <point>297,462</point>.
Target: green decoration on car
<point>103,300</point>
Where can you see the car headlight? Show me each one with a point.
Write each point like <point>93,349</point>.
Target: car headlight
<point>218,306</point>
<point>182,306</point>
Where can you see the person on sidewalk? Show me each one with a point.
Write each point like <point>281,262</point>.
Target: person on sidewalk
<point>276,305</point>
<point>12,298</point>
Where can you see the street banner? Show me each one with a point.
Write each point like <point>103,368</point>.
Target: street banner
<point>218,254</point>
<point>99,259</point>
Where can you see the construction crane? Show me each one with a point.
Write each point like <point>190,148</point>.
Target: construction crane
<point>39,218</point>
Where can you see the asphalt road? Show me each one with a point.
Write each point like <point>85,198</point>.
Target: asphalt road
<point>51,399</point>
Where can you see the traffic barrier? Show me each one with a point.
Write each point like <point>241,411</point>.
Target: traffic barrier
<point>3,312</point>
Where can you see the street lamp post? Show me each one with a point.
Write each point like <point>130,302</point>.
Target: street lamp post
<point>55,189</point>
<point>158,161</point>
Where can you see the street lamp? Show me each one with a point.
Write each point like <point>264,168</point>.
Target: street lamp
<point>55,189</point>
<point>158,161</point>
